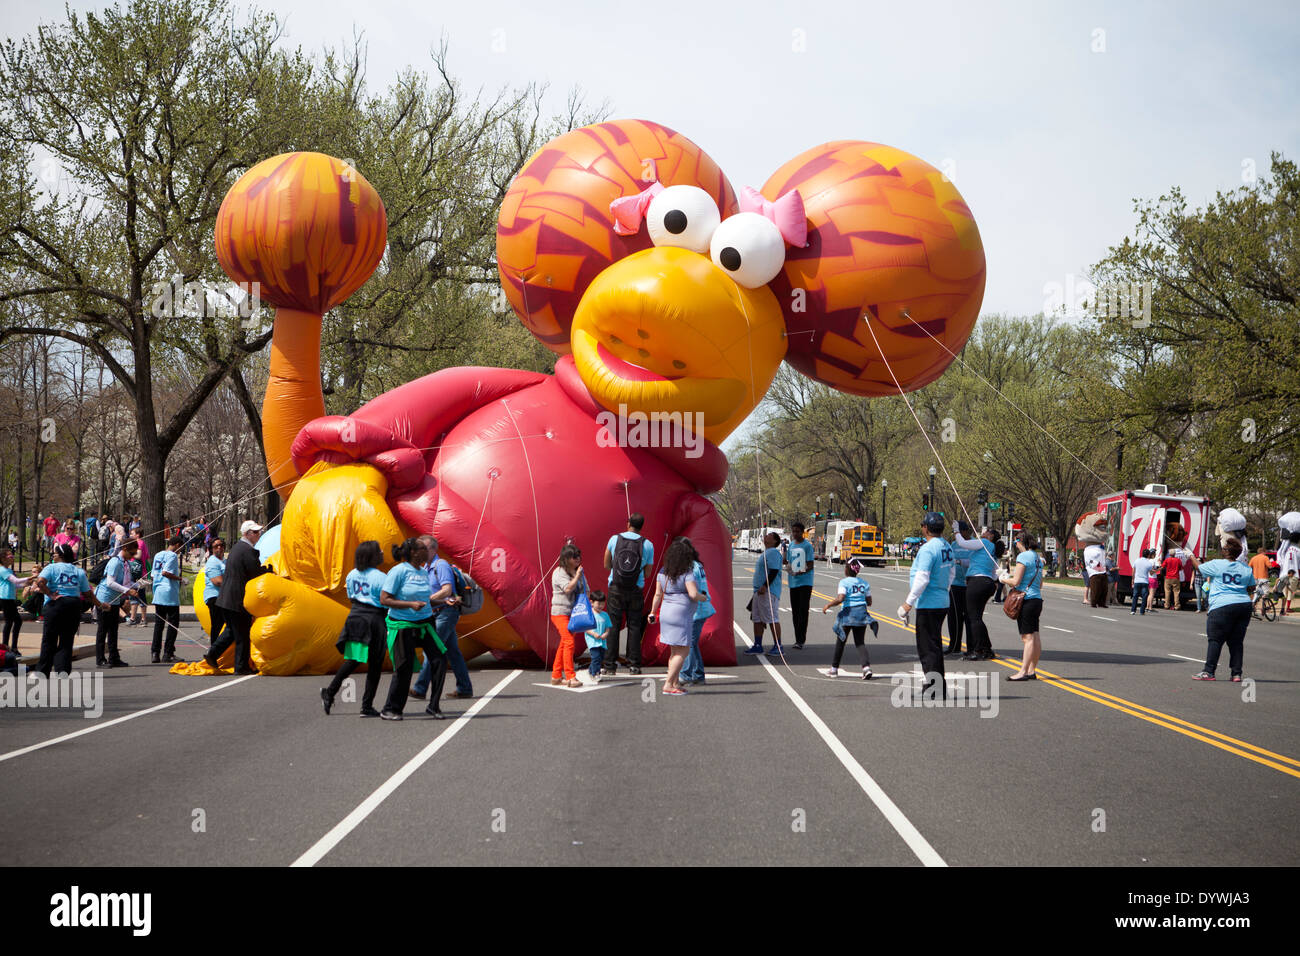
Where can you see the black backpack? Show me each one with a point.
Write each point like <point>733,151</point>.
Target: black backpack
<point>627,562</point>
<point>96,574</point>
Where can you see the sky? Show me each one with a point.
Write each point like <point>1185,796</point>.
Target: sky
<point>1050,118</point>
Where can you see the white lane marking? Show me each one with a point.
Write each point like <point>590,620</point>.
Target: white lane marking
<point>125,717</point>
<point>372,802</point>
<point>1061,629</point>
<point>1194,660</point>
<point>916,674</point>
<point>1100,618</point>
<point>911,836</point>
<point>589,686</point>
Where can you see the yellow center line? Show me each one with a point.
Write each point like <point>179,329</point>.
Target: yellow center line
<point>1187,728</point>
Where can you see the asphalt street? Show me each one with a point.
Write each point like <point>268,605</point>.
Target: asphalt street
<point>1115,757</point>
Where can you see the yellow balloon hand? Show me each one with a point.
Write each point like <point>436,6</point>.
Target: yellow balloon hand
<point>333,509</point>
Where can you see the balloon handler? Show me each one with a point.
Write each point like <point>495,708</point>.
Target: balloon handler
<point>669,300</point>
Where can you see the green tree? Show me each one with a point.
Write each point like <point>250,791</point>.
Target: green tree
<point>1207,393</point>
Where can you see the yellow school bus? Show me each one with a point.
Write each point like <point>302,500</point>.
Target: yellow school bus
<point>864,543</point>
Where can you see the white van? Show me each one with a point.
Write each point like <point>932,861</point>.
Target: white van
<point>834,535</point>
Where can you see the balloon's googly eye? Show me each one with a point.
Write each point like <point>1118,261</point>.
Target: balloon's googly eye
<point>682,216</point>
<point>749,248</point>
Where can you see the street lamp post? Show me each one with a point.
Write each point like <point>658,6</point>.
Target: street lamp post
<point>932,474</point>
<point>884,487</point>
<point>831,510</point>
<point>861,510</point>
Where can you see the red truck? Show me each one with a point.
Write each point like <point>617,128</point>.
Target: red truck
<point>1147,518</point>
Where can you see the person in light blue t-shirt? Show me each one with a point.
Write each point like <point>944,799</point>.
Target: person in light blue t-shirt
<point>929,579</point>
<point>406,594</point>
<point>65,586</point>
<point>166,576</point>
<point>598,635</point>
<point>114,588</point>
<point>364,638</point>
<point>214,570</point>
<point>853,619</point>
<point>799,556</point>
<point>627,554</point>
<point>9,585</point>
<point>765,605</point>
<point>1231,582</point>
<point>1027,576</point>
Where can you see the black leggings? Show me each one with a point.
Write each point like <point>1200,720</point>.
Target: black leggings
<point>166,625</point>
<point>978,592</point>
<point>374,668</point>
<point>106,636</point>
<point>957,617</point>
<point>217,619</point>
<point>929,648</point>
<point>407,640</point>
<point>1226,625</point>
<point>859,632</point>
<point>13,621</point>
<point>62,617</point>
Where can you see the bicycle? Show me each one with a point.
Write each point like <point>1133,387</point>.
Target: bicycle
<point>1266,606</point>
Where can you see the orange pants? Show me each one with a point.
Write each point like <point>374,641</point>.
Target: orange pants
<point>564,654</point>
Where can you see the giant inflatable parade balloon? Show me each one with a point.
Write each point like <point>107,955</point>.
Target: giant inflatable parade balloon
<point>670,299</point>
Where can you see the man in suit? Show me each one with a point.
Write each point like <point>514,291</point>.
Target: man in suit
<point>242,565</point>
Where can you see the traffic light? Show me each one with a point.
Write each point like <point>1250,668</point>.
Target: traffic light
<point>983,497</point>
<point>925,501</point>
<point>1011,510</point>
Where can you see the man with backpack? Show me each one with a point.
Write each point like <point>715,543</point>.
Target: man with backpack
<point>627,555</point>
<point>445,600</point>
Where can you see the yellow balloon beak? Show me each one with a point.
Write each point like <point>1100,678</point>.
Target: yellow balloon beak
<point>666,331</point>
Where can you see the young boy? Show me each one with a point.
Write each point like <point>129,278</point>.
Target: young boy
<point>597,636</point>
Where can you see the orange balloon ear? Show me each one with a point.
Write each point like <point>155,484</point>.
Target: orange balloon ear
<point>306,227</point>
<point>555,232</point>
<point>890,243</point>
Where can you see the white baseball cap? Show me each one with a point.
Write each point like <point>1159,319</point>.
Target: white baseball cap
<point>248,526</point>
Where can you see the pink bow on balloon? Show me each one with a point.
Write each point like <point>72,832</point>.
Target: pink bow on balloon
<point>628,211</point>
<point>787,213</point>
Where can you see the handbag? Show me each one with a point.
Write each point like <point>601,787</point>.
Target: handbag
<point>1016,598</point>
<point>582,617</point>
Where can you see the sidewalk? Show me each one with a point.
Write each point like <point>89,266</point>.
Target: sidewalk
<point>29,639</point>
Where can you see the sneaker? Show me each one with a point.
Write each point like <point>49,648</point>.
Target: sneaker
<point>833,672</point>
<point>369,712</point>
<point>635,671</point>
<point>866,673</point>
<point>756,649</point>
<point>798,647</point>
<point>775,651</point>
<point>390,715</point>
<point>420,696</point>
<point>595,678</point>
<point>327,699</point>
<point>1204,675</point>
<point>1236,678</point>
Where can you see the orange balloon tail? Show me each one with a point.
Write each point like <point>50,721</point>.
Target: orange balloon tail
<point>293,392</point>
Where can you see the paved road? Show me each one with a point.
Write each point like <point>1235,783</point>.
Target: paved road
<point>1120,758</point>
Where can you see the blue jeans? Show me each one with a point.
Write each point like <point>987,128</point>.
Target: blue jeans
<point>1141,592</point>
<point>693,669</point>
<point>597,658</point>
<point>444,622</point>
